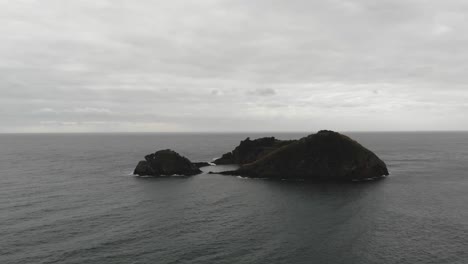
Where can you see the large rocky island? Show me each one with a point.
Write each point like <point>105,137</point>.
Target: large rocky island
<point>324,156</point>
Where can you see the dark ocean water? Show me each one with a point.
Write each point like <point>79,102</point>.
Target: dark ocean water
<point>70,198</point>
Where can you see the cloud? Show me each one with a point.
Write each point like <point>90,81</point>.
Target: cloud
<point>45,110</point>
<point>440,29</point>
<point>91,110</point>
<point>226,65</point>
<point>83,110</point>
<point>262,92</point>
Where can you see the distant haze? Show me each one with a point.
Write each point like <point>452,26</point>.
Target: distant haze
<point>224,65</point>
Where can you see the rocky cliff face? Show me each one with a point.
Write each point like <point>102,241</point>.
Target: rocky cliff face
<point>164,163</point>
<point>251,150</point>
<point>325,156</point>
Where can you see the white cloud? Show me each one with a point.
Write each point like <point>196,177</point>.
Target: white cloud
<point>46,110</point>
<point>91,110</point>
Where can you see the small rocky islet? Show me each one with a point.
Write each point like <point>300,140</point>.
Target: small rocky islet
<point>324,156</point>
<point>167,162</point>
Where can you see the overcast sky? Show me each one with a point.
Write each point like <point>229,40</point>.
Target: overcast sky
<point>239,65</point>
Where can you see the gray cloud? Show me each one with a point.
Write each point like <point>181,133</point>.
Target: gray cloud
<point>262,92</point>
<point>227,65</point>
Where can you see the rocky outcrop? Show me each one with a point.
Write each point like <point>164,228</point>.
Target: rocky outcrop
<point>165,163</point>
<point>325,156</point>
<point>251,150</point>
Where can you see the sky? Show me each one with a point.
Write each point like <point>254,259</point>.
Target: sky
<point>233,65</point>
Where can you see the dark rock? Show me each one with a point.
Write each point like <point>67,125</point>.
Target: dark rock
<point>164,163</point>
<point>142,168</point>
<point>325,156</point>
<point>227,158</point>
<point>250,150</point>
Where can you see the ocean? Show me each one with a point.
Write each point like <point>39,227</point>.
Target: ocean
<point>71,198</point>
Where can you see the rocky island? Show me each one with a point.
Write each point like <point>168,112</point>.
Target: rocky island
<point>324,156</point>
<point>166,163</point>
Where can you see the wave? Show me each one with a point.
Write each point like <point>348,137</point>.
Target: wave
<point>163,175</point>
<point>249,178</point>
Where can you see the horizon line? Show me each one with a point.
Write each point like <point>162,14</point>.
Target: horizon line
<point>237,132</point>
